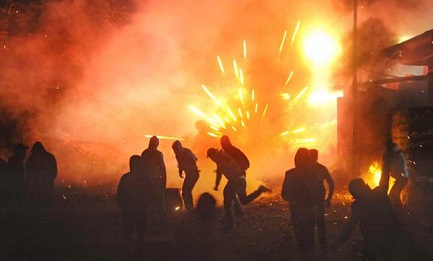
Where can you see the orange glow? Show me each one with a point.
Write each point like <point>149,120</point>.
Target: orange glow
<point>320,97</point>
<point>375,171</point>
<point>161,137</point>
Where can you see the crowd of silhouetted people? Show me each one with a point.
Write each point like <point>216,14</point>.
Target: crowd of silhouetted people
<point>141,194</point>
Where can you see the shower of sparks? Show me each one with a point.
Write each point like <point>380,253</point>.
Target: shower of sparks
<point>238,108</point>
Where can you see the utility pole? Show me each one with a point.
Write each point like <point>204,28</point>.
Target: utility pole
<point>355,92</point>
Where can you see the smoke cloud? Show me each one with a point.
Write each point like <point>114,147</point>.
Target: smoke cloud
<point>89,79</point>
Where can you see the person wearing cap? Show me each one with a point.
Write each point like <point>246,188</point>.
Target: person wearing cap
<point>244,164</point>
<point>154,170</point>
<point>186,163</point>
<point>228,167</point>
<point>394,163</point>
<point>372,211</point>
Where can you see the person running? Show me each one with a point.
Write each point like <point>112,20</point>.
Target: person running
<point>228,167</point>
<point>186,163</point>
<point>244,164</point>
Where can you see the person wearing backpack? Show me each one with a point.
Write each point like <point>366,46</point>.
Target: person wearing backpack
<point>244,164</point>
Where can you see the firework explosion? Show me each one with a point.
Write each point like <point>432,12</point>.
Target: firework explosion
<point>237,110</point>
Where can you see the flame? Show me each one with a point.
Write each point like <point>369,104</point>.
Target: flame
<point>375,171</point>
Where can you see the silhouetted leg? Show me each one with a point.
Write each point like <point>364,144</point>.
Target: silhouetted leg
<point>321,224</point>
<point>394,194</point>
<point>141,231</point>
<point>127,232</point>
<point>239,211</point>
<point>303,220</point>
<point>241,197</point>
<point>188,185</point>
<point>230,191</point>
<point>247,199</point>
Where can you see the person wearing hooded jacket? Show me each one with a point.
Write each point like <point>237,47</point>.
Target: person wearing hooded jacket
<point>133,200</point>
<point>41,167</point>
<point>155,171</point>
<point>299,189</point>
<point>186,163</point>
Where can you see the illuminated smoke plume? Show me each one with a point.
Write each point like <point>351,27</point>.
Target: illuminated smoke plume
<point>91,78</point>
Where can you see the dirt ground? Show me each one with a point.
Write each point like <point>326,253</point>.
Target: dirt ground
<point>86,226</point>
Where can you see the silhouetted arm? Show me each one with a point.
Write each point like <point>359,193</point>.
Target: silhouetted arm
<point>163,170</point>
<point>331,186</point>
<point>286,191</point>
<point>219,175</point>
<point>384,178</point>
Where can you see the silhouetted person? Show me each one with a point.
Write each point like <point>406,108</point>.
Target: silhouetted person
<point>198,235</point>
<point>300,190</point>
<point>322,199</point>
<point>228,167</point>
<point>4,179</point>
<point>186,162</point>
<point>373,211</point>
<point>244,164</point>
<point>206,206</point>
<point>133,200</point>
<point>394,163</point>
<point>15,162</point>
<point>14,175</point>
<point>41,170</point>
<point>155,172</point>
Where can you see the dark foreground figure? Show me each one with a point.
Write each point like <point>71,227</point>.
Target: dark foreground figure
<point>133,203</point>
<point>41,170</point>
<point>373,212</point>
<point>300,190</point>
<point>155,172</point>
